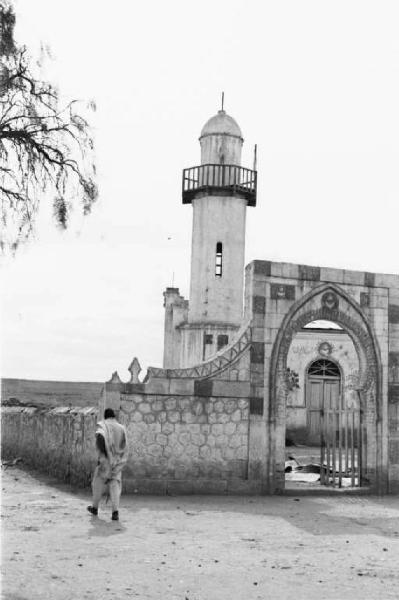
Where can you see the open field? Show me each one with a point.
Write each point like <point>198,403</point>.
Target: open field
<point>51,393</point>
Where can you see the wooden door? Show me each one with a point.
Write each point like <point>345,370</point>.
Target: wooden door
<point>314,403</point>
<point>321,393</point>
<point>331,394</point>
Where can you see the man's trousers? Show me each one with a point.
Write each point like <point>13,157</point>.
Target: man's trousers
<point>111,487</point>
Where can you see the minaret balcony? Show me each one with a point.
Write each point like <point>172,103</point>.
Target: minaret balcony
<point>219,180</point>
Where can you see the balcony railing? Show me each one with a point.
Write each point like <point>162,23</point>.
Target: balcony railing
<point>224,180</point>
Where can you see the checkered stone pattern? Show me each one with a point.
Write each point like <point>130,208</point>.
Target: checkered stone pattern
<point>257,355</point>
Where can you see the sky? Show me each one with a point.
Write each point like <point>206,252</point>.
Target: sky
<point>314,84</point>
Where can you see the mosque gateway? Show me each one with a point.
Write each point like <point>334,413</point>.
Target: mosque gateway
<point>311,358</point>
<point>294,372</point>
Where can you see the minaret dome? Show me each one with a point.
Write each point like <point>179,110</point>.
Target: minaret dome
<point>221,140</point>
<point>221,123</point>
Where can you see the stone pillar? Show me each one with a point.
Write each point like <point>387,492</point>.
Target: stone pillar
<point>111,396</point>
<point>176,310</point>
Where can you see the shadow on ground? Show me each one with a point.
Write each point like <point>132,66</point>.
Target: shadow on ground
<point>329,515</point>
<point>102,528</point>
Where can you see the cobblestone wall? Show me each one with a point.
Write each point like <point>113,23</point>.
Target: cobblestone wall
<point>57,441</point>
<point>185,439</point>
<point>176,444</point>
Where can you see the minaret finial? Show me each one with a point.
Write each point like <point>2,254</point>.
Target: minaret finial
<point>222,100</point>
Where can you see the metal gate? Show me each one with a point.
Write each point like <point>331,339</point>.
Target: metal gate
<point>343,448</point>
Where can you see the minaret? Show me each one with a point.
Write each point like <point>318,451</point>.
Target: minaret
<point>219,190</point>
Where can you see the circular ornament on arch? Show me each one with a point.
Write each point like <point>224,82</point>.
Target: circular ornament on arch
<point>330,301</point>
<point>325,349</point>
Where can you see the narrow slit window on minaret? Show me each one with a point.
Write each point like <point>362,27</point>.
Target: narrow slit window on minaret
<point>219,259</point>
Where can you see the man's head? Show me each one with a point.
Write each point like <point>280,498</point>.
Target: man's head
<point>109,413</point>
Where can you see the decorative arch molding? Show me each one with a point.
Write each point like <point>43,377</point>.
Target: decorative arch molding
<point>358,328</point>
<point>326,302</point>
<point>215,365</point>
<point>363,342</point>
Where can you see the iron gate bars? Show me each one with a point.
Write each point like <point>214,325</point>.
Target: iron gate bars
<point>343,447</point>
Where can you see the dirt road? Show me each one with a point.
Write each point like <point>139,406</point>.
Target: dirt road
<point>195,548</point>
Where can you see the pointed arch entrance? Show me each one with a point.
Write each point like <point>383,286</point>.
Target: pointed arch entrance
<point>329,302</point>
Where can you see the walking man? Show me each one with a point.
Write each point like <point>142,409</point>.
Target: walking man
<point>112,453</point>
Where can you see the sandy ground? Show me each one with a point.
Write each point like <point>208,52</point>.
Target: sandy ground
<point>195,548</point>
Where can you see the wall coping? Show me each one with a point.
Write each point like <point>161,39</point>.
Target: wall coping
<point>58,410</point>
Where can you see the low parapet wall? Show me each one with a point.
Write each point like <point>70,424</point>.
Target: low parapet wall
<point>57,441</point>
<point>177,444</point>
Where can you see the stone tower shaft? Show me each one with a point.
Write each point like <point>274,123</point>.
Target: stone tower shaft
<point>219,190</point>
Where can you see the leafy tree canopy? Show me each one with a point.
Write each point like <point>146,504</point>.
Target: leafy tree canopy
<point>46,149</point>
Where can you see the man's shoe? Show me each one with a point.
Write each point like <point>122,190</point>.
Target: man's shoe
<point>115,515</point>
<point>92,510</point>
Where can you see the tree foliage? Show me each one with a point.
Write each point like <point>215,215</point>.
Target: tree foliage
<point>46,149</point>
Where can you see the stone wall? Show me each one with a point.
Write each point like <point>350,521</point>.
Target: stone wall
<point>188,429</point>
<point>178,444</point>
<point>57,441</point>
<point>183,443</point>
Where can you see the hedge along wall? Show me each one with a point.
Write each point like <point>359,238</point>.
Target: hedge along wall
<point>57,441</point>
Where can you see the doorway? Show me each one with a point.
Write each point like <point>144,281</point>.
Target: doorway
<point>361,421</point>
<point>323,392</point>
